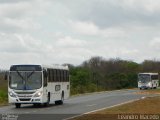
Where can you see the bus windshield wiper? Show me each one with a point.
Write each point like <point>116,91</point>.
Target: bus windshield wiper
<point>20,75</point>
<point>30,74</point>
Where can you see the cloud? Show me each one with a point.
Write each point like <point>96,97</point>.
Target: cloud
<point>86,28</point>
<point>145,5</point>
<point>22,43</point>
<point>19,16</point>
<point>53,31</point>
<point>67,41</point>
<point>23,9</point>
<point>155,43</point>
<point>117,13</point>
<point>89,28</point>
<point>22,49</point>
<point>18,25</point>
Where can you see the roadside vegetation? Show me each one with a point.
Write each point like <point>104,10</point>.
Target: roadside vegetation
<point>3,98</point>
<point>99,74</point>
<point>3,90</point>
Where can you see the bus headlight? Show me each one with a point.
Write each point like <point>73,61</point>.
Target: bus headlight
<point>12,94</point>
<point>38,94</point>
<point>149,84</point>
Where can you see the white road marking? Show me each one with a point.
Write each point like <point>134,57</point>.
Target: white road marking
<point>27,112</point>
<point>91,105</point>
<point>111,106</point>
<point>143,97</point>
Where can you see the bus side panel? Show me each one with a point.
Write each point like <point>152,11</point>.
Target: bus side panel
<point>55,92</point>
<point>56,89</point>
<point>66,89</point>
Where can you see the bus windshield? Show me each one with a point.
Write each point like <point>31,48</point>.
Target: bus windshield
<point>144,78</point>
<point>25,80</point>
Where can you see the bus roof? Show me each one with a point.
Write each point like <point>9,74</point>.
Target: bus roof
<point>56,66</point>
<point>36,67</point>
<point>149,73</point>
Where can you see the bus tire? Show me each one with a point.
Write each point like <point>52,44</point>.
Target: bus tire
<point>62,98</point>
<point>60,102</point>
<point>17,105</point>
<point>36,104</point>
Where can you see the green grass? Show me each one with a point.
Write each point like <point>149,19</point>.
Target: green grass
<point>3,97</point>
<point>3,92</point>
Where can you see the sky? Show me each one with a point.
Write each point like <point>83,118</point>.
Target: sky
<point>73,31</point>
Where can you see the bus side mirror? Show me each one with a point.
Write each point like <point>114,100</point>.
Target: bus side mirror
<point>6,76</point>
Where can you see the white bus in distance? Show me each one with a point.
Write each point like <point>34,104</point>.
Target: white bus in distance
<point>38,84</point>
<point>148,80</point>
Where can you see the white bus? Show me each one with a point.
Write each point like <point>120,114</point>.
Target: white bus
<point>38,84</point>
<point>148,80</point>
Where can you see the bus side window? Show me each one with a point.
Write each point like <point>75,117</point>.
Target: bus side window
<point>62,76</point>
<point>67,76</point>
<point>154,77</point>
<point>45,78</point>
<point>49,75</point>
<point>54,75</point>
<point>58,75</point>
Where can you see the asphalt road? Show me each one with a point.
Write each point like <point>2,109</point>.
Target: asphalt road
<point>74,106</point>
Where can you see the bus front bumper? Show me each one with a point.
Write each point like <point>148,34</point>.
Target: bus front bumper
<point>25,100</point>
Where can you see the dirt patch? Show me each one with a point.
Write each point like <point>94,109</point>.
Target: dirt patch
<point>150,91</point>
<point>147,106</point>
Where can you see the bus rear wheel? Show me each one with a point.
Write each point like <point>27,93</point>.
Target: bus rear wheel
<point>60,102</point>
<point>18,105</point>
